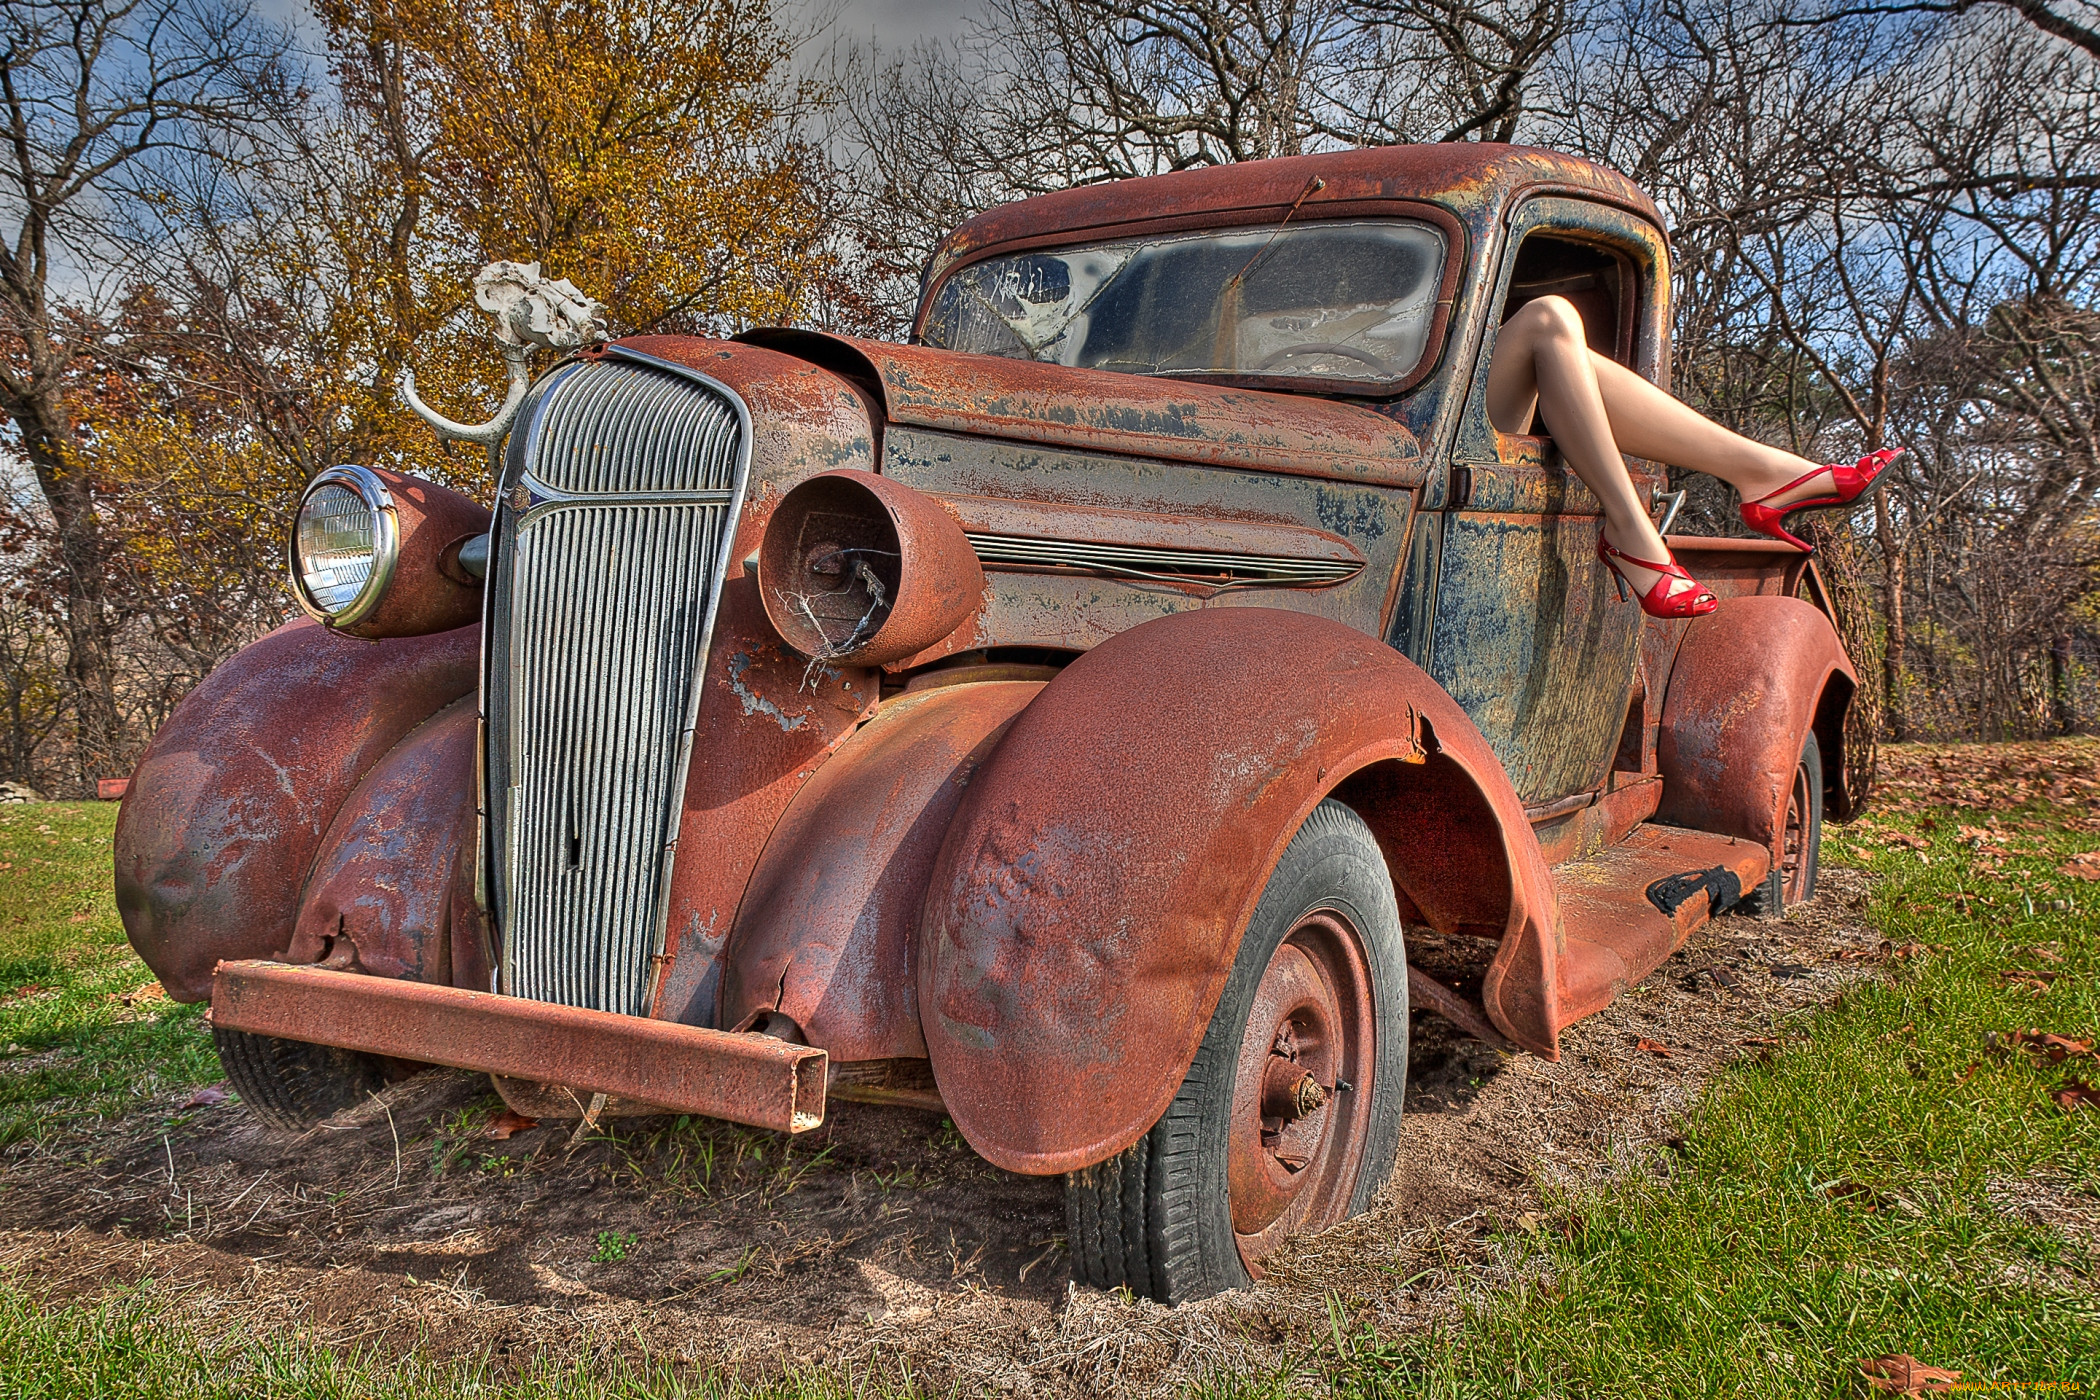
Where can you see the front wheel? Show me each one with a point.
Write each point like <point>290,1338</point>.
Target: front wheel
<point>292,1085</point>
<point>1289,1119</point>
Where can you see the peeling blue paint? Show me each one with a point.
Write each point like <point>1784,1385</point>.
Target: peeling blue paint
<point>756,704</point>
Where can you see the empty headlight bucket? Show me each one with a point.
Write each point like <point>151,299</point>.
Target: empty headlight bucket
<point>377,554</point>
<point>858,569</point>
<point>346,541</point>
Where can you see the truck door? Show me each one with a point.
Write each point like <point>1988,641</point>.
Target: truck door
<point>1529,635</point>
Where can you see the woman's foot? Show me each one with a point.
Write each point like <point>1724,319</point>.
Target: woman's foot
<point>1663,587</point>
<point>1835,485</point>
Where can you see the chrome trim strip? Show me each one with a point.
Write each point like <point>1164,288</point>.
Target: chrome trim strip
<point>1152,561</point>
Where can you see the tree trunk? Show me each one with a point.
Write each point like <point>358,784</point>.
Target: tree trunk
<point>2063,699</point>
<point>1895,649</point>
<point>91,670</point>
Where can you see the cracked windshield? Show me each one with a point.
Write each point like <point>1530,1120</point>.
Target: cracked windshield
<point>1343,300</point>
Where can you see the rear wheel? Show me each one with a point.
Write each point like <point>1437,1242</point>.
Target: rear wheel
<point>1793,877</point>
<point>292,1085</point>
<point>1289,1119</point>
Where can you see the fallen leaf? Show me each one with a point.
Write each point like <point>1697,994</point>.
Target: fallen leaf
<point>1652,1047</point>
<point>1855,1194</point>
<point>2047,954</point>
<point>1965,1075</point>
<point>25,991</point>
<point>139,996</point>
<point>509,1124</point>
<point>1527,1222</point>
<point>1907,950</point>
<point>2050,1046</point>
<point>2075,1093</point>
<point>2028,979</point>
<point>1759,1040</point>
<point>204,1098</point>
<point>2084,866</point>
<point>1904,1374</point>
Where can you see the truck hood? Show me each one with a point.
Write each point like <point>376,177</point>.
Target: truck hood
<point>1102,411</point>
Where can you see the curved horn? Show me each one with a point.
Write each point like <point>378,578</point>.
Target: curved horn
<point>488,434</point>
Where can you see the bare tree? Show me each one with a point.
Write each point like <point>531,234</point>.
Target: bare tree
<point>1041,95</point>
<point>96,91</point>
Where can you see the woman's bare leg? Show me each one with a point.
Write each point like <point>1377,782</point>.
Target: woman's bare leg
<point>1596,409</point>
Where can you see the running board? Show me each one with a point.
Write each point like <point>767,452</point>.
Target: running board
<point>1627,910</point>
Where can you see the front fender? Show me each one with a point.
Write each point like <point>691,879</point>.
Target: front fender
<point>1749,683</point>
<point>1105,861</point>
<point>392,892</point>
<point>225,813</point>
<point>826,930</point>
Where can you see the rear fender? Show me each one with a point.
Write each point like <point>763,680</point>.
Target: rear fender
<point>1095,883</point>
<point>828,929</point>
<point>1749,683</point>
<point>227,809</point>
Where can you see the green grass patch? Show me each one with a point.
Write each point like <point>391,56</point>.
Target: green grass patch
<point>85,1032</point>
<point>1893,1177</point>
<point>1852,1194</point>
<point>126,1349</point>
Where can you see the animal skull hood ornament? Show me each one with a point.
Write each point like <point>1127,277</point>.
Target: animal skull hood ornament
<point>530,310</point>
<point>535,310</point>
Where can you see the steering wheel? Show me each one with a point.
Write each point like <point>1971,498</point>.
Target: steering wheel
<point>1326,347</point>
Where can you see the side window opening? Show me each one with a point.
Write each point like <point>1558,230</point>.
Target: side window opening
<point>1599,283</point>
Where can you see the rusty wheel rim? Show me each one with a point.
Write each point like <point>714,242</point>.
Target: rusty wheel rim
<point>1302,1088</point>
<point>1793,843</point>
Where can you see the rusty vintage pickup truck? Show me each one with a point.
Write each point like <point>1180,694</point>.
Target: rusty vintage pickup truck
<point>1103,719</point>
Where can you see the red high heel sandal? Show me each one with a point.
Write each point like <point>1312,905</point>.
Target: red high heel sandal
<point>1658,601</point>
<point>1850,482</point>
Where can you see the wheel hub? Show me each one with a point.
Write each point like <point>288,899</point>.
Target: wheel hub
<point>1298,1121</point>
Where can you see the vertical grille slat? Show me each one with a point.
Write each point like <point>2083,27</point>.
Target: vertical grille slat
<point>619,500</point>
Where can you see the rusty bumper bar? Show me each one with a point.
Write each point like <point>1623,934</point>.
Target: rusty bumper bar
<point>752,1079</point>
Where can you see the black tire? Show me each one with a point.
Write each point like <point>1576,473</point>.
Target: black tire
<point>1159,1218</point>
<point>292,1085</point>
<point>1793,877</point>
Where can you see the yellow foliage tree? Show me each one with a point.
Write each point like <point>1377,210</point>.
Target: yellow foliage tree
<point>648,150</point>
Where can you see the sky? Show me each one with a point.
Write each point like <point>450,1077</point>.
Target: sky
<point>895,24</point>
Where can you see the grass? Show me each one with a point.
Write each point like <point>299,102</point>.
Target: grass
<point>1846,1194</point>
<point>85,1032</point>
<point>126,1349</point>
<point>1835,1200</point>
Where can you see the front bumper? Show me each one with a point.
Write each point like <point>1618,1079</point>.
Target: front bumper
<point>753,1079</point>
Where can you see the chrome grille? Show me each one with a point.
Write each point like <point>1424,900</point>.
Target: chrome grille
<point>619,502</point>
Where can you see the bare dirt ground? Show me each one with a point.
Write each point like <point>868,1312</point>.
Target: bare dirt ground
<point>877,1244</point>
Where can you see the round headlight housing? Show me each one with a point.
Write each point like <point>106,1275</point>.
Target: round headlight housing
<point>346,540</point>
<point>858,569</point>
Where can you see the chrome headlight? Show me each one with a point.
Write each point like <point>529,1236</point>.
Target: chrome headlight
<point>345,542</point>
